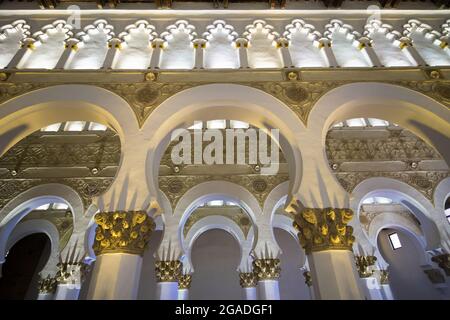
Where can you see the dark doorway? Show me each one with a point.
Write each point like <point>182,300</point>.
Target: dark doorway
<point>25,259</point>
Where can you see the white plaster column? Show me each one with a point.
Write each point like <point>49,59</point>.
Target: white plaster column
<point>283,45</point>
<point>241,45</point>
<point>71,47</point>
<point>167,274</point>
<point>267,272</point>
<point>324,45</point>
<point>386,292</point>
<point>27,44</point>
<point>157,45</point>
<point>371,288</point>
<point>365,45</point>
<point>411,53</point>
<point>113,47</point>
<point>184,283</point>
<point>65,291</point>
<point>199,45</point>
<point>327,241</point>
<point>120,241</point>
<point>248,282</point>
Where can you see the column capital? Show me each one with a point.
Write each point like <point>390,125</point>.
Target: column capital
<point>157,43</point>
<point>241,42</point>
<point>168,271</point>
<point>47,285</point>
<point>443,261</point>
<point>248,279</point>
<point>324,42</point>
<point>364,42</point>
<point>72,44</point>
<point>28,43</point>
<point>405,42</point>
<point>267,269</point>
<point>114,43</point>
<point>122,232</point>
<point>324,229</point>
<point>71,272</point>
<point>282,43</point>
<point>384,276</point>
<point>308,278</point>
<point>363,263</point>
<point>199,43</point>
<point>184,281</point>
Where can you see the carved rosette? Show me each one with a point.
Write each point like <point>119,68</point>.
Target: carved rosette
<point>308,278</point>
<point>363,263</point>
<point>324,229</point>
<point>248,279</point>
<point>47,285</point>
<point>443,260</point>
<point>71,273</point>
<point>122,232</point>
<point>184,281</point>
<point>168,271</point>
<point>267,269</point>
<point>384,276</point>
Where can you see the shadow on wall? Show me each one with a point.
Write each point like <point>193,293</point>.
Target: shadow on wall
<point>406,277</point>
<point>292,282</point>
<point>215,257</point>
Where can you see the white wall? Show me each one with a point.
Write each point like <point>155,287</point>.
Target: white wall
<point>407,279</point>
<point>215,257</point>
<point>292,283</point>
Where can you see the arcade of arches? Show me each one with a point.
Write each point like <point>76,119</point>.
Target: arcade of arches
<point>94,206</point>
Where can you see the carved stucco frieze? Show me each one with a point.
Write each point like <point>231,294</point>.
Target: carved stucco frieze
<point>299,96</point>
<point>87,188</point>
<point>240,218</point>
<point>146,96</point>
<point>174,187</point>
<point>367,214</point>
<point>423,181</point>
<point>10,90</point>
<point>436,89</point>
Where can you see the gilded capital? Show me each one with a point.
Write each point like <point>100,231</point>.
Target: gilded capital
<point>248,279</point>
<point>184,281</point>
<point>443,261</point>
<point>384,276</point>
<point>71,273</point>
<point>308,278</point>
<point>122,232</point>
<point>267,269</point>
<point>363,263</point>
<point>168,271</point>
<point>324,229</point>
<point>47,285</point>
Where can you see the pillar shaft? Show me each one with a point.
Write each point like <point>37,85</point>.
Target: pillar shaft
<point>113,47</point>
<point>241,45</point>
<point>267,272</point>
<point>248,282</point>
<point>327,240</point>
<point>67,292</point>
<point>27,44</point>
<point>157,46</point>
